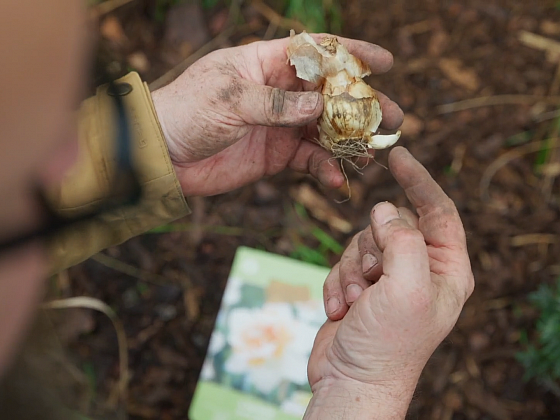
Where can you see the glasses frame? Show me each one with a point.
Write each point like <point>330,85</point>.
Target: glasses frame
<point>126,188</point>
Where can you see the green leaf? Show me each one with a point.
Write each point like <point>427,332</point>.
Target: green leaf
<point>312,256</point>
<point>327,241</point>
<point>541,357</point>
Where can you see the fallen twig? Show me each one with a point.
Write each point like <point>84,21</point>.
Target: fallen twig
<point>130,270</point>
<point>207,48</point>
<point>495,101</point>
<point>505,159</point>
<point>274,18</point>
<point>539,42</point>
<point>187,62</point>
<point>534,238</point>
<point>96,304</point>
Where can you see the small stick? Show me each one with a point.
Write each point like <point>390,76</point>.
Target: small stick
<point>130,270</point>
<point>495,101</point>
<point>270,14</point>
<point>504,160</point>
<point>187,62</point>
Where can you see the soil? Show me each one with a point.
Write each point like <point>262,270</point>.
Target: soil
<point>445,51</point>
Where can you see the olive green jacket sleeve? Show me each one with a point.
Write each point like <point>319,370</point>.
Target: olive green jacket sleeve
<point>89,181</point>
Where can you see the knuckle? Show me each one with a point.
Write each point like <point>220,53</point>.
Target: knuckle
<point>447,219</point>
<point>345,273</point>
<point>405,235</point>
<point>313,164</point>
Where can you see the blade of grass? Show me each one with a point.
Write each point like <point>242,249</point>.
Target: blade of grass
<point>98,305</point>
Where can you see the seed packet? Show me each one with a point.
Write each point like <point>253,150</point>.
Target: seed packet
<point>256,362</point>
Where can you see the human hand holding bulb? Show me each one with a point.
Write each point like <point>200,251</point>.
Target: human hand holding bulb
<point>241,113</point>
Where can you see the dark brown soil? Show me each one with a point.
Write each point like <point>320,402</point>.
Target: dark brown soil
<point>445,51</point>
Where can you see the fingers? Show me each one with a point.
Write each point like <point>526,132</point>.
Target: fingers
<point>405,255</point>
<point>273,107</point>
<point>393,115</point>
<point>333,295</point>
<point>439,220</point>
<point>313,159</point>
<point>352,280</point>
<point>371,257</point>
<point>409,216</point>
<point>377,58</point>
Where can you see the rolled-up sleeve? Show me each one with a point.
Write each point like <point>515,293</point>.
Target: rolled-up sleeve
<point>90,180</point>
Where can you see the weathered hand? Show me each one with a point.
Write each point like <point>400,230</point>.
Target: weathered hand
<point>420,285</point>
<point>239,114</point>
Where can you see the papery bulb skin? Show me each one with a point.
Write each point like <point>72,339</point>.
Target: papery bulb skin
<point>352,113</point>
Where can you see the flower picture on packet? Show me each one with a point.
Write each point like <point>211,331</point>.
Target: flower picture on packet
<point>256,363</point>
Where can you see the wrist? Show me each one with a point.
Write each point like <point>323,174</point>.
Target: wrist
<point>160,105</point>
<point>350,399</point>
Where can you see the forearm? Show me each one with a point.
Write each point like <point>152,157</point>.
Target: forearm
<point>336,399</point>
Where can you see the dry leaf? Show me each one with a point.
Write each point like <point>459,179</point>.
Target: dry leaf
<point>485,401</point>
<point>453,69</point>
<point>551,170</point>
<point>438,43</point>
<point>320,208</point>
<point>538,42</point>
<point>550,28</point>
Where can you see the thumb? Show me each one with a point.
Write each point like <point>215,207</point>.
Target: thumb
<point>273,107</point>
<point>405,255</point>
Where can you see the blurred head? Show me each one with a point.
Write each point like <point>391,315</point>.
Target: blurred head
<point>43,50</point>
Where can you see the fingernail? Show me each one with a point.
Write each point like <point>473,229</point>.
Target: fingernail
<point>368,262</point>
<point>332,305</point>
<point>353,292</point>
<point>307,103</point>
<point>384,212</point>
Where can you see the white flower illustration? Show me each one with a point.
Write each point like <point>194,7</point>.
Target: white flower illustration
<point>269,345</point>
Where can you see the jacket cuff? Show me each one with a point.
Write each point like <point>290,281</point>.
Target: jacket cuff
<point>89,182</point>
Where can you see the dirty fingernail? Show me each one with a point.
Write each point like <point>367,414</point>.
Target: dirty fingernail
<point>384,212</point>
<point>353,292</point>
<point>368,262</point>
<point>332,305</point>
<point>307,103</point>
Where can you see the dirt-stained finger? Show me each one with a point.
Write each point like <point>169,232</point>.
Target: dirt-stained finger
<point>312,159</point>
<point>439,219</point>
<point>333,296</point>
<point>409,216</point>
<point>352,279</point>
<point>371,256</point>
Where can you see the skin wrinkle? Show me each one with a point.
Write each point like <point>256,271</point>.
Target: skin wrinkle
<point>341,352</point>
<point>313,165</point>
<point>205,146</point>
